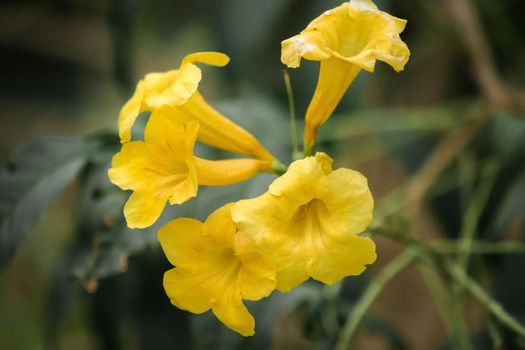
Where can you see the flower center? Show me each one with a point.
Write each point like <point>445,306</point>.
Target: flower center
<point>220,271</point>
<point>311,220</point>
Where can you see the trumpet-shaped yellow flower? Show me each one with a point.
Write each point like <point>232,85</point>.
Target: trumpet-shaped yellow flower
<point>309,221</point>
<point>176,92</point>
<point>163,168</point>
<point>215,269</point>
<point>345,40</point>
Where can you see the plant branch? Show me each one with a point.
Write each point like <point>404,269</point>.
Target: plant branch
<point>291,108</point>
<point>370,294</point>
<point>484,298</point>
<point>466,20</point>
<point>439,296</point>
<point>455,271</point>
<point>443,156</point>
<point>474,212</point>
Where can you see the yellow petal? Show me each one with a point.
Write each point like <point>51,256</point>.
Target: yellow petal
<point>129,113</point>
<point>232,312</point>
<point>258,272</point>
<point>297,47</point>
<point>308,222</point>
<point>133,168</point>
<point>304,179</point>
<point>143,167</point>
<point>181,87</point>
<point>142,209</point>
<point>220,227</point>
<point>180,287</point>
<point>166,131</point>
<point>352,197</point>
<point>209,57</point>
<point>291,273</point>
<point>189,187</point>
<point>356,32</point>
<point>348,256</point>
<point>155,83</point>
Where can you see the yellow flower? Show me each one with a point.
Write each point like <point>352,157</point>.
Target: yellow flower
<point>345,40</point>
<point>176,92</point>
<point>163,168</point>
<point>215,269</point>
<point>309,221</point>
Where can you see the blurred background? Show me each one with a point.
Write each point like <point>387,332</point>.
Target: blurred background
<point>449,130</point>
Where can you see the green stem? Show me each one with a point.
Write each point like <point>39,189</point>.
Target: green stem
<point>474,211</point>
<point>448,308</point>
<point>309,149</point>
<point>460,330</point>
<point>370,294</point>
<point>459,275</point>
<point>484,298</point>
<point>278,167</point>
<point>291,107</point>
<point>494,334</point>
<point>439,296</point>
<point>468,231</point>
<point>329,316</point>
<point>443,246</point>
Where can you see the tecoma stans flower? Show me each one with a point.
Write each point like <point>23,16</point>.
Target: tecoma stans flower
<point>163,168</point>
<point>215,269</point>
<point>308,222</point>
<point>345,40</point>
<point>178,89</point>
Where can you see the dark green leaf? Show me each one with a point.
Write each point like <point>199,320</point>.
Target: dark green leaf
<point>36,174</point>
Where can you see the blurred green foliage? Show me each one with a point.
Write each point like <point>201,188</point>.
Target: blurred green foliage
<point>83,280</point>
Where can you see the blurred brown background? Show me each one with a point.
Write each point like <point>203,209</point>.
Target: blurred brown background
<point>68,66</point>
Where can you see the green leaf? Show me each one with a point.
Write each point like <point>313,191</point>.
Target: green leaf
<point>35,176</point>
<point>101,220</point>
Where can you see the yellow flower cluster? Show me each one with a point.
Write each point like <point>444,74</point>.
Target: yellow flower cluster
<point>162,167</point>
<point>308,222</point>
